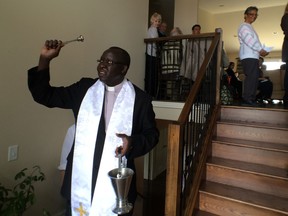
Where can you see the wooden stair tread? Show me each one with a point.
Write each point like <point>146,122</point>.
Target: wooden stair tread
<point>252,144</point>
<point>253,108</point>
<point>246,108</point>
<point>203,213</point>
<point>242,195</point>
<point>250,167</point>
<point>254,124</point>
<point>252,176</point>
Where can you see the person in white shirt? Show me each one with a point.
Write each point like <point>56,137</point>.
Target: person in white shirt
<point>250,51</point>
<point>151,72</point>
<point>66,148</point>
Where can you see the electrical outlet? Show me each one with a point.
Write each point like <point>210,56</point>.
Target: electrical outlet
<point>12,152</point>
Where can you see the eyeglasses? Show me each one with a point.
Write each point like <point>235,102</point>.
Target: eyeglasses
<point>253,14</point>
<point>108,62</point>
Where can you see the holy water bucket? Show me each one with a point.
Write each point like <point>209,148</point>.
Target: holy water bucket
<point>121,179</point>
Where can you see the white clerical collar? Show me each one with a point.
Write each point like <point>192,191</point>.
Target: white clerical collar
<point>116,88</point>
<point>110,88</point>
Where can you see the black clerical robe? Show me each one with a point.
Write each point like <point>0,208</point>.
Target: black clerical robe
<point>144,135</point>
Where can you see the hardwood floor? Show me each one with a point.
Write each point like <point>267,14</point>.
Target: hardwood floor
<point>152,203</point>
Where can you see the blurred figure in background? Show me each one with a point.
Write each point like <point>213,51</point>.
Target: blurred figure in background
<point>265,85</point>
<point>234,81</point>
<point>196,29</point>
<point>171,57</point>
<point>66,148</point>
<point>194,55</point>
<point>162,30</point>
<point>176,31</point>
<point>284,26</point>
<point>152,62</point>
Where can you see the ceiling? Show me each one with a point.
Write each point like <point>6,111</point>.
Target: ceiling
<point>268,28</point>
<point>225,6</point>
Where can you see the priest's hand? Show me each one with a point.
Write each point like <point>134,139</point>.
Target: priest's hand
<point>50,50</point>
<point>126,145</point>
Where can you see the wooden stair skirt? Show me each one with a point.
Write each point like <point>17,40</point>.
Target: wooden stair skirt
<point>247,173</point>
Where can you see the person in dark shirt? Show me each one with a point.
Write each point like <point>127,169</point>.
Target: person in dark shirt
<point>234,81</point>
<point>284,27</point>
<point>265,85</point>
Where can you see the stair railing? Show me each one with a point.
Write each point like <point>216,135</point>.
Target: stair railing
<point>188,138</point>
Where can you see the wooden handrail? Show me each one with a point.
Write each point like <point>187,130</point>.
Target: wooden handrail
<point>179,37</point>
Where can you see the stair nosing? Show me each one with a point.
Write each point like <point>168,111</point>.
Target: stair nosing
<point>214,161</point>
<point>253,124</point>
<point>251,144</point>
<point>230,197</point>
<point>252,108</point>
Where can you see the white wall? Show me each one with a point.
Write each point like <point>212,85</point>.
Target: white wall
<point>206,20</point>
<point>25,25</point>
<point>186,12</point>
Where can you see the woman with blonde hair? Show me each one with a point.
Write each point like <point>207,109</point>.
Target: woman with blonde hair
<point>151,76</point>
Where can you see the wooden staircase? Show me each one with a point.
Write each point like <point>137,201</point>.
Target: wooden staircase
<point>247,173</point>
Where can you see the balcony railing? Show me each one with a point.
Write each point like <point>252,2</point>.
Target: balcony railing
<point>191,76</point>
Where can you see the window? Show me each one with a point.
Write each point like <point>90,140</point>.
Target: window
<point>273,63</point>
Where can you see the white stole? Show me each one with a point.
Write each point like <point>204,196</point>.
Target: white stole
<point>86,132</point>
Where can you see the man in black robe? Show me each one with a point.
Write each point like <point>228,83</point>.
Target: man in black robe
<point>112,68</point>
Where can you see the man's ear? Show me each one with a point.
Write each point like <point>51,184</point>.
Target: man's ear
<point>124,70</point>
